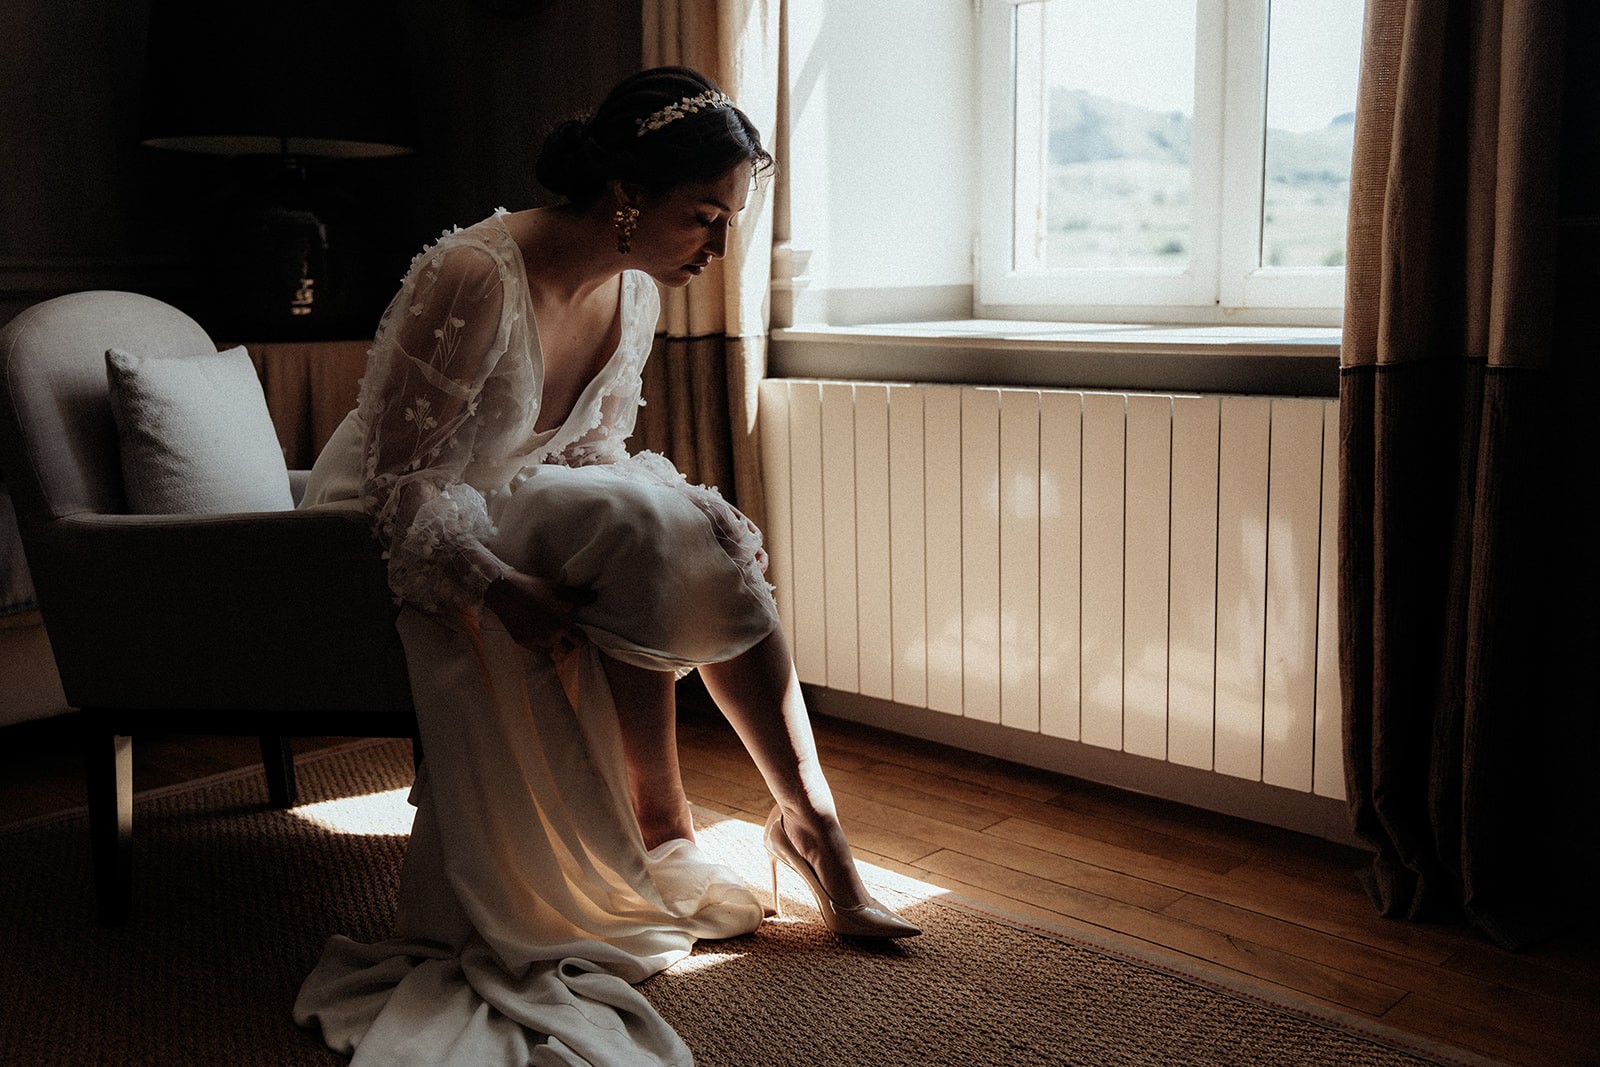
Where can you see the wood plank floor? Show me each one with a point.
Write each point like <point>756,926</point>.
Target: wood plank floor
<point>1251,903</point>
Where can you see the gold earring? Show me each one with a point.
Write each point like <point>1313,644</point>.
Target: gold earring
<point>626,219</point>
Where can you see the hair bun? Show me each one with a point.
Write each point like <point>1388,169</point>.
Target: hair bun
<point>566,164</point>
<point>584,154</point>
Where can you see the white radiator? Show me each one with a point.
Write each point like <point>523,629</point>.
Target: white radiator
<point>1153,574</point>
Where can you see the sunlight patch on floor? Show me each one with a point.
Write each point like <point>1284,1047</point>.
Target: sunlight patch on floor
<point>704,961</point>
<point>726,835</point>
<point>385,813</point>
<point>738,843</point>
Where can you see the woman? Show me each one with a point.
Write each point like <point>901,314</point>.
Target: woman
<point>553,589</point>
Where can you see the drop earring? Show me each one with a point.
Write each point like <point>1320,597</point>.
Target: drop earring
<point>626,219</point>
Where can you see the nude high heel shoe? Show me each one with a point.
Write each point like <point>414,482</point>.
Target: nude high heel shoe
<point>871,919</point>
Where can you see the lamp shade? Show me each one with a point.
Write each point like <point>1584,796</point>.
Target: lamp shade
<point>291,77</point>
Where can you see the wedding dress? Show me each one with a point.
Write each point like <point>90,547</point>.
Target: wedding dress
<point>529,905</point>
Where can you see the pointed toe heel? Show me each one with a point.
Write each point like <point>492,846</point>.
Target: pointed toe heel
<point>869,920</point>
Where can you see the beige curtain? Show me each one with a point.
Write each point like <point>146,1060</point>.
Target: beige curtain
<point>1465,732</point>
<point>702,380</point>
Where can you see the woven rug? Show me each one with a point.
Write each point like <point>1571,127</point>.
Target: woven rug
<point>233,901</point>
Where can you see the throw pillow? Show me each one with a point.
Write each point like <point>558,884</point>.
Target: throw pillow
<point>195,433</point>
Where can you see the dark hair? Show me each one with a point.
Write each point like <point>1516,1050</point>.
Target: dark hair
<point>586,153</point>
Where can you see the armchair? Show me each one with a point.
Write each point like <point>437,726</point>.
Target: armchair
<point>272,623</point>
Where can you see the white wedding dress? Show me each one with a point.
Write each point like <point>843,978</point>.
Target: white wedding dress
<point>529,905</point>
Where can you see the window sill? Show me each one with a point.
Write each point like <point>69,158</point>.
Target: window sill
<point>1271,360</point>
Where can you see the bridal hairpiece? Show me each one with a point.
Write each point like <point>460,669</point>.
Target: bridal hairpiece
<point>710,100</point>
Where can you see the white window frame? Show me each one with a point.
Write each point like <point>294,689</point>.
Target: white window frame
<point>1223,281</point>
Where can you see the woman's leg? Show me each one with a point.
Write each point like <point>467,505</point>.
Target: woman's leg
<point>759,693</point>
<point>647,708</point>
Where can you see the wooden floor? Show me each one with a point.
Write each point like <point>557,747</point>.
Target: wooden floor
<point>1277,909</point>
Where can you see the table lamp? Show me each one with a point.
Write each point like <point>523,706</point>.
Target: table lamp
<point>292,92</point>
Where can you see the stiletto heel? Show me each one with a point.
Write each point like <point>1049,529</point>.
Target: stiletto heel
<point>777,901</point>
<point>871,919</point>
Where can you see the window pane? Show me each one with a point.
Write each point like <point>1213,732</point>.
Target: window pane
<point>1313,60</point>
<point>1105,109</point>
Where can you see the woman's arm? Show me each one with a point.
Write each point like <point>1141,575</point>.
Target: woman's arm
<point>437,346</point>
<point>437,349</point>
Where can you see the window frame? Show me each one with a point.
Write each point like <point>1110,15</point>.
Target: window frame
<point>1224,281</point>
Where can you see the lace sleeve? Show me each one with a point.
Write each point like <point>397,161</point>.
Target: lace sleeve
<point>436,347</point>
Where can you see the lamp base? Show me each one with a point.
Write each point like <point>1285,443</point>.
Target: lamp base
<point>285,255</point>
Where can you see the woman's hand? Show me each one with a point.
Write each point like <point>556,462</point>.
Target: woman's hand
<point>537,613</point>
<point>730,539</point>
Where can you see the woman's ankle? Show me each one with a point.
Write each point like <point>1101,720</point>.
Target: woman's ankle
<point>660,823</point>
<point>820,839</point>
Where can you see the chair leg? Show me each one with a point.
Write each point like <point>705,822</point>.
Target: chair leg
<point>277,759</point>
<point>108,769</point>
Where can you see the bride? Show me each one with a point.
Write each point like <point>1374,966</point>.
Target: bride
<point>553,589</point>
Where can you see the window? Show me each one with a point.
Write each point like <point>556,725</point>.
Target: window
<point>1170,160</point>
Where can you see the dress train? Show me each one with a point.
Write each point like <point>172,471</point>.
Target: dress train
<point>529,906</point>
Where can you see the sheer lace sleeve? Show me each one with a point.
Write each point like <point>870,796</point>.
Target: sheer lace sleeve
<point>437,347</point>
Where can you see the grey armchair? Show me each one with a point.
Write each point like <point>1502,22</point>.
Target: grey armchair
<point>269,623</point>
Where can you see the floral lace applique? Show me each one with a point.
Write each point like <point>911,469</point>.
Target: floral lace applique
<point>433,566</point>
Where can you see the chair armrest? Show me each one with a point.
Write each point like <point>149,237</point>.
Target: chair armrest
<point>260,610</point>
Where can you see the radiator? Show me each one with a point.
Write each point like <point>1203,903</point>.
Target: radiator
<point>1146,573</point>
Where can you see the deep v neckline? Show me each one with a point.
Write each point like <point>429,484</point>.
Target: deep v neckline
<point>592,393</point>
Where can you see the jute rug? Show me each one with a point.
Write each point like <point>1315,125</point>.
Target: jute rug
<point>233,901</point>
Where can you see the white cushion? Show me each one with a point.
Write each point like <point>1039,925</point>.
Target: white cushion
<point>195,434</point>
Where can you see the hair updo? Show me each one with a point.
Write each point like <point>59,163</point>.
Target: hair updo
<point>583,155</point>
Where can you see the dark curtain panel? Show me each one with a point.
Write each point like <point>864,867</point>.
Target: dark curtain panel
<point>1462,568</point>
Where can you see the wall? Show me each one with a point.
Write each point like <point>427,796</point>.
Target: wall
<point>83,205</point>
<point>1573,737</point>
